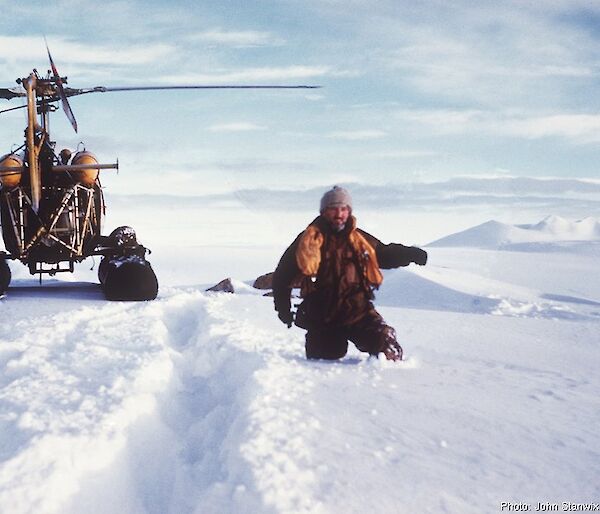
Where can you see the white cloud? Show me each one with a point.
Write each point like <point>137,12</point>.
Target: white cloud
<point>357,135</point>
<point>267,74</point>
<point>238,126</point>
<point>489,54</point>
<point>314,97</point>
<point>444,121</point>
<point>238,39</point>
<point>66,51</point>
<point>579,128</point>
<point>114,55</point>
<point>405,154</point>
<point>582,128</point>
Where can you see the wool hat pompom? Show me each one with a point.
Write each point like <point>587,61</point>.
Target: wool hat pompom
<point>336,197</point>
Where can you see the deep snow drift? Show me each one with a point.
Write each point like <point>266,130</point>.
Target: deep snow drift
<point>203,402</point>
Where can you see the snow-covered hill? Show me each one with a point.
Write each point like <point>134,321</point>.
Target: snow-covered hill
<point>551,229</point>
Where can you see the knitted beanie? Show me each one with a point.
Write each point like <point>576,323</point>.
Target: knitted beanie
<point>336,197</point>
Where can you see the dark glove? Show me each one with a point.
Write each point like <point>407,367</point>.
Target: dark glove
<point>287,318</point>
<point>419,256</point>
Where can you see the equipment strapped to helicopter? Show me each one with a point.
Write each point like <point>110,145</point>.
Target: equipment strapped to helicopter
<point>51,205</point>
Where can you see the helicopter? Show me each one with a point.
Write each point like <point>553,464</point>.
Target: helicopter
<point>52,204</point>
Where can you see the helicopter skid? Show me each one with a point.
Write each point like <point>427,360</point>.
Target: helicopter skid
<point>128,278</point>
<point>5,274</point>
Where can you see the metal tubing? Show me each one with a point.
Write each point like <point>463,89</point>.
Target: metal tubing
<point>43,230</point>
<point>22,220</point>
<point>75,241</point>
<point>60,241</point>
<point>61,208</point>
<point>90,201</point>
<point>17,228</point>
<point>81,167</point>
<point>34,170</point>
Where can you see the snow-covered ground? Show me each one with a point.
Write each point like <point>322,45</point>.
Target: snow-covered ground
<point>204,403</point>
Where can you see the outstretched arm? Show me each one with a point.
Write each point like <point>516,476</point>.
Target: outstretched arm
<point>395,255</point>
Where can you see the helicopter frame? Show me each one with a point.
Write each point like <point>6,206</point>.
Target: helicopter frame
<point>77,204</point>
<point>51,211</point>
<point>51,206</point>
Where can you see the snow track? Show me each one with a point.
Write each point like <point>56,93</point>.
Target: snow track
<point>226,434</point>
<point>187,404</point>
<point>72,383</point>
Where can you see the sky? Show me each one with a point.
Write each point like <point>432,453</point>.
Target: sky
<point>412,91</point>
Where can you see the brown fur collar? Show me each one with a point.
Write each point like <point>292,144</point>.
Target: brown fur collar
<point>308,253</point>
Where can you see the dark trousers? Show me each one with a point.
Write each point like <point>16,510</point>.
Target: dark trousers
<point>370,334</point>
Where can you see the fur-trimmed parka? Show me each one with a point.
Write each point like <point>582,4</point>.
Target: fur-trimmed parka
<point>338,272</point>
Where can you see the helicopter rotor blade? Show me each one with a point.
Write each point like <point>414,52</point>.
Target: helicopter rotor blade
<point>13,108</point>
<point>102,89</point>
<point>68,91</point>
<point>61,92</point>
<point>9,93</point>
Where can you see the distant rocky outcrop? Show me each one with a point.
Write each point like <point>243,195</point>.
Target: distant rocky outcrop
<point>264,281</point>
<point>225,286</point>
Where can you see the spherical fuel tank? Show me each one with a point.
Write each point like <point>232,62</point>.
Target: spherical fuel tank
<point>86,176</point>
<point>10,179</point>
